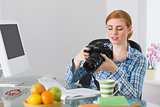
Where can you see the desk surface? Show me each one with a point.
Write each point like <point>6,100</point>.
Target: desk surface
<point>16,100</point>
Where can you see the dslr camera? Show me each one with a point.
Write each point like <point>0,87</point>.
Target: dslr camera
<point>95,59</point>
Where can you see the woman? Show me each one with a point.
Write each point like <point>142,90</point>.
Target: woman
<point>128,65</point>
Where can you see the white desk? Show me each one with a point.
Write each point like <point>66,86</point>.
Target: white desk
<point>16,101</point>
<point>151,86</point>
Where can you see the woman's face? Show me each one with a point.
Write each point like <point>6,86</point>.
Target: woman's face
<point>117,31</point>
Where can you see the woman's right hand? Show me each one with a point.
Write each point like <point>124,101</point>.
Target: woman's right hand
<point>81,56</point>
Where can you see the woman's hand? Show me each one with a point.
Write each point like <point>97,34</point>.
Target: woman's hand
<point>80,57</point>
<point>107,65</point>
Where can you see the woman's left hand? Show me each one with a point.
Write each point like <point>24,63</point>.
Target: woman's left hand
<point>107,65</point>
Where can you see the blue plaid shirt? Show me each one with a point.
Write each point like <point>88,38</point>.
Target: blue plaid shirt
<point>129,76</point>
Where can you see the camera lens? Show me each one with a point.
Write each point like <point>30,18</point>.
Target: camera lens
<point>93,62</point>
<point>90,65</point>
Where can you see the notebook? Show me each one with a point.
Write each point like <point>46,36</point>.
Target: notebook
<point>132,103</point>
<point>50,81</point>
<point>79,93</point>
<point>89,105</point>
<point>1,102</point>
<point>113,101</point>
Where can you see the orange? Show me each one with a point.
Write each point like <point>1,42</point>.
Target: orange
<point>47,97</point>
<point>37,88</point>
<point>34,99</point>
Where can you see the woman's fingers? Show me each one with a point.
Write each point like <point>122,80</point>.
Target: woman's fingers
<point>85,48</point>
<point>105,57</point>
<point>86,54</point>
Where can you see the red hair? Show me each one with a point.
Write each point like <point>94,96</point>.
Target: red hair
<point>121,14</point>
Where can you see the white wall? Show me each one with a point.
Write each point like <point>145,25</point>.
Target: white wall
<point>151,91</point>
<point>54,31</point>
<point>137,11</point>
<point>1,9</point>
<point>153,21</point>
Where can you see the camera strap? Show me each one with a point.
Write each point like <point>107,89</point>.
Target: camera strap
<point>96,82</point>
<point>86,80</point>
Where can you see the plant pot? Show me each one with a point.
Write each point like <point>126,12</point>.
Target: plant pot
<point>150,74</point>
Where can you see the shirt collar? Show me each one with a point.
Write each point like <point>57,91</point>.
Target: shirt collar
<point>130,53</point>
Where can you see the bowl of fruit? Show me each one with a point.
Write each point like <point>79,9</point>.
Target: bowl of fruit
<point>40,97</point>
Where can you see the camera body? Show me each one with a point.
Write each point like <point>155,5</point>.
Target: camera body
<point>95,59</point>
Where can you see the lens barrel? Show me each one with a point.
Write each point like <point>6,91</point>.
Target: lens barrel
<point>93,62</point>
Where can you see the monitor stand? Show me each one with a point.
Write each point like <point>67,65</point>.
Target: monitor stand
<point>1,73</point>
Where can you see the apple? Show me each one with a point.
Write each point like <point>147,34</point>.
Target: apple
<point>54,102</point>
<point>56,93</point>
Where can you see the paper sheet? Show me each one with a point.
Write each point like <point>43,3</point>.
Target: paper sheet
<point>79,93</point>
<point>71,93</point>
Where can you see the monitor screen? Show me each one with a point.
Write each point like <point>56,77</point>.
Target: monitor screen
<point>12,40</point>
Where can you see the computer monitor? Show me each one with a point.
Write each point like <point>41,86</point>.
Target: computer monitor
<point>13,59</point>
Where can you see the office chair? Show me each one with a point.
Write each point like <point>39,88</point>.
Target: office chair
<point>85,80</point>
<point>131,42</point>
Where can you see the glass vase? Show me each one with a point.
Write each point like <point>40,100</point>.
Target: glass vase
<point>151,65</point>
